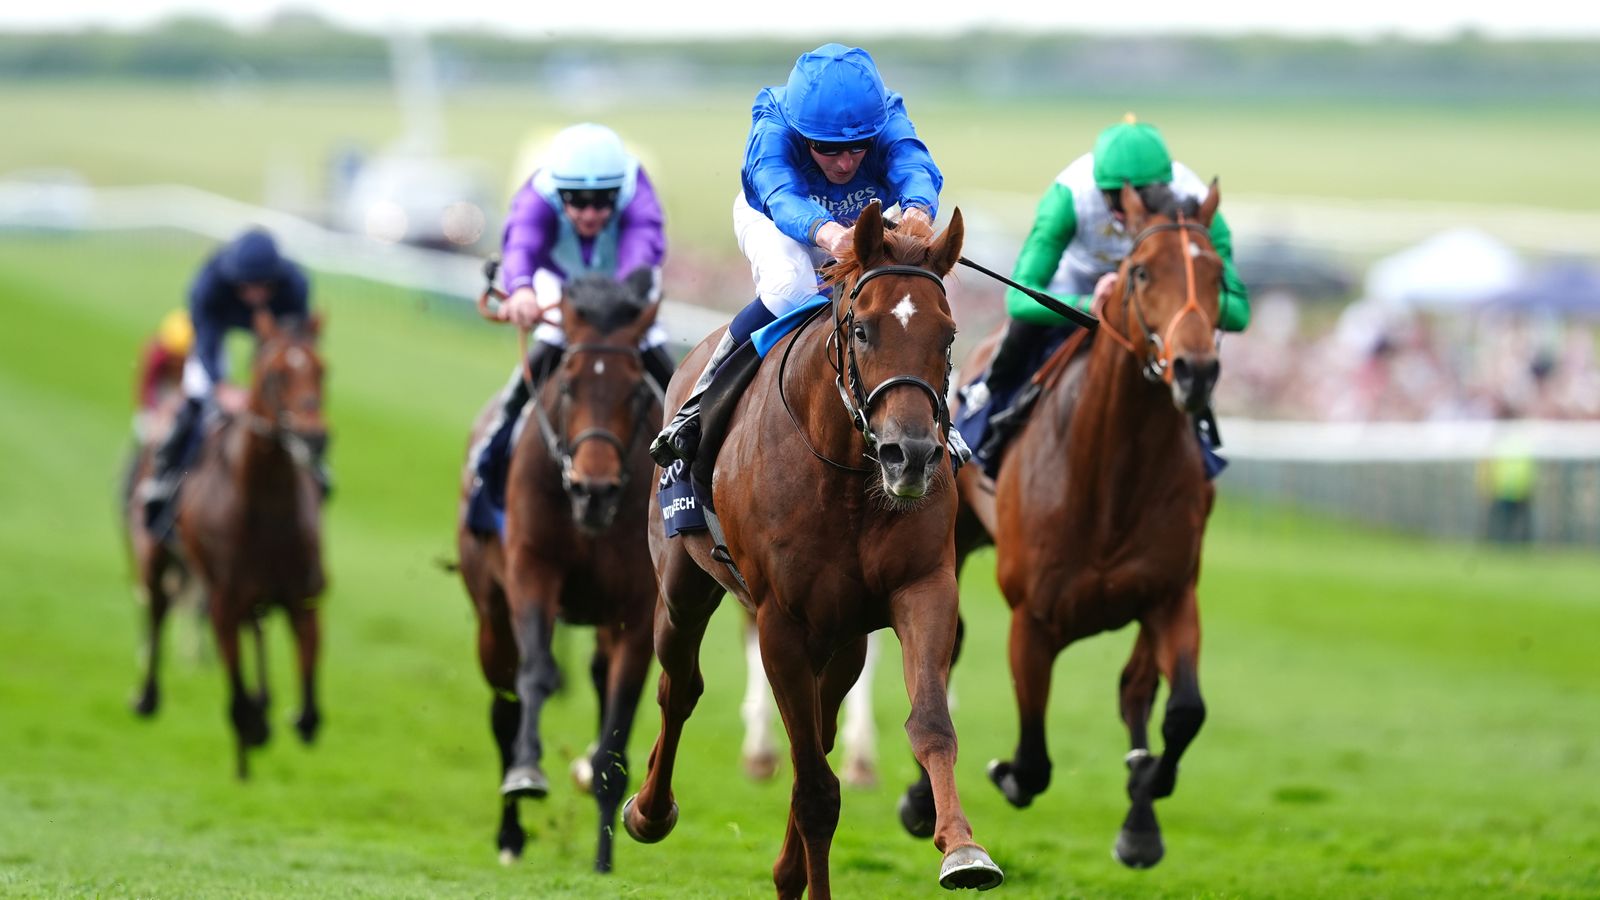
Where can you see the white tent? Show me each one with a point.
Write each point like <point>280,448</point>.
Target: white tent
<point>1452,269</point>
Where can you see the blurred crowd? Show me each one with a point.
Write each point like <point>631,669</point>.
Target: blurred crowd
<point>1377,362</point>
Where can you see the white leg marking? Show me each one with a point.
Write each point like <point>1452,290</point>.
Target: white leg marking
<point>860,732</point>
<point>755,709</point>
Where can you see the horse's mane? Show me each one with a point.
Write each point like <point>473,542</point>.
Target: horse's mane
<point>1160,200</point>
<point>604,302</point>
<point>909,244</point>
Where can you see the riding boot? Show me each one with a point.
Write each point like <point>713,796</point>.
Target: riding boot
<point>317,446</point>
<point>1010,361</point>
<point>158,489</point>
<point>681,437</point>
<point>659,365</point>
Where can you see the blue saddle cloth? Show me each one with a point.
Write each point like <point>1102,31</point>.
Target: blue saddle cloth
<point>767,336</point>
<point>682,508</point>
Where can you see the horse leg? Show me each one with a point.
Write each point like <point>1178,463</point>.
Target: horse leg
<point>688,598</point>
<point>802,866</point>
<point>505,716</point>
<point>1175,638</point>
<point>630,661</point>
<point>860,732</point>
<point>917,811</point>
<point>759,755</point>
<point>263,693</point>
<point>497,656</point>
<point>924,617</point>
<point>157,603</point>
<point>582,768</point>
<point>1032,655</point>
<point>308,642</point>
<point>533,623</point>
<point>249,725</point>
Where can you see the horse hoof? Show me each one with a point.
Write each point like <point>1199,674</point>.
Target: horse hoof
<point>583,775</point>
<point>860,773</point>
<point>509,857</point>
<point>1139,849</point>
<point>761,766</point>
<point>1006,780</point>
<point>525,781</point>
<point>144,705</point>
<point>916,823</point>
<point>967,867</point>
<point>643,830</point>
<point>306,726</point>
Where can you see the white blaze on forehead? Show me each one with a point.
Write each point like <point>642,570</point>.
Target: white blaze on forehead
<point>296,358</point>
<point>904,310</point>
<point>1194,249</point>
<point>599,367</point>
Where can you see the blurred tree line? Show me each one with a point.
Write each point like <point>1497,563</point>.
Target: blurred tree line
<point>300,46</point>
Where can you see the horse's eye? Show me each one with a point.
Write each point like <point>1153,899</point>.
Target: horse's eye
<point>861,333</point>
<point>1141,274</point>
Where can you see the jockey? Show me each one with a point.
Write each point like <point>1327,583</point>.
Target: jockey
<point>820,149</point>
<point>243,276</point>
<point>1077,242</point>
<point>591,208</point>
<point>161,370</point>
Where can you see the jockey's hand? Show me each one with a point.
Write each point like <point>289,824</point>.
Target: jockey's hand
<point>835,238</point>
<point>1102,293</point>
<point>231,398</point>
<point>522,308</point>
<point>916,214</point>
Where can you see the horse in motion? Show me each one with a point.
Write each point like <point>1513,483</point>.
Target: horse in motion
<point>574,519</point>
<point>248,523</point>
<point>828,550</point>
<point>1100,507</point>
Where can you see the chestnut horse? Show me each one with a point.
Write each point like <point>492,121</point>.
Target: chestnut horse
<point>573,548</point>
<point>829,549</point>
<point>1101,504</point>
<point>248,522</point>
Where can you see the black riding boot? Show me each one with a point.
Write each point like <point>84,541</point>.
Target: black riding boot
<point>658,363</point>
<point>681,437</point>
<point>161,486</point>
<point>494,453</point>
<point>1010,362</point>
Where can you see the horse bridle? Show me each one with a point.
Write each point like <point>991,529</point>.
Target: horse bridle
<point>296,441</point>
<point>1159,367</point>
<point>847,373</point>
<point>561,450</point>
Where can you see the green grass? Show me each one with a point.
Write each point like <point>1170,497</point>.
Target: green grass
<point>1388,717</point>
<point>233,137</point>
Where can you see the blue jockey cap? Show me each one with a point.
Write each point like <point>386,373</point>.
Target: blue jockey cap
<point>835,94</point>
<point>253,256</point>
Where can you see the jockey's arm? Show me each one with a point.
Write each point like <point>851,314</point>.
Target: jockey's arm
<point>641,234</point>
<point>1055,223</point>
<point>912,174</point>
<point>1235,297</point>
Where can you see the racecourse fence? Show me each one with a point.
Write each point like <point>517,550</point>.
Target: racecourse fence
<point>1421,477</point>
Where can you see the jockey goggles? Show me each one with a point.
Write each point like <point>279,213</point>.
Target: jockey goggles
<point>833,148</point>
<point>590,199</point>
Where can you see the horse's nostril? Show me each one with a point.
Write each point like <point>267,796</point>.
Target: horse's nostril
<point>1181,371</point>
<point>892,455</point>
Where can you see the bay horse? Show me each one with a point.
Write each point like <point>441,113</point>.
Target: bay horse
<point>248,522</point>
<point>1100,507</point>
<point>830,550</point>
<point>573,548</point>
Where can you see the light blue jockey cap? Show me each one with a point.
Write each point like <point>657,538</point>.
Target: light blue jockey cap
<point>835,94</point>
<point>587,157</point>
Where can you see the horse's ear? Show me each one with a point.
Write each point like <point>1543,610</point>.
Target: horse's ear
<point>946,249</point>
<point>1133,206</point>
<point>869,234</point>
<point>647,318</point>
<point>313,328</point>
<point>1208,206</point>
<point>641,283</point>
<point>266,327</point>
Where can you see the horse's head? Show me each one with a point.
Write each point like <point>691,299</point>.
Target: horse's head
<point>287,390</point>
<point>1170,286</point>
<point>600,395</point>
<point>891,343</point>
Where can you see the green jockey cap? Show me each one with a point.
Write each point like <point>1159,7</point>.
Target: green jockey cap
<point>1130,151</point>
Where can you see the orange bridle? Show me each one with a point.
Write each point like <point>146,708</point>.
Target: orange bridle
<point>1160,367</point>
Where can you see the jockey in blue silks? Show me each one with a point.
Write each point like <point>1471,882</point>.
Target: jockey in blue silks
<point>242,277</point>
<point>821,148</point>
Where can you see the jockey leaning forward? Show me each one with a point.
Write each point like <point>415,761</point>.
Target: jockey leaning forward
<point>589,209</point>
<point>1077,242</point>
<point>245,275</point>
<point>821,148</point>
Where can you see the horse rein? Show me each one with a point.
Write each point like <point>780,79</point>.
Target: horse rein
<point>1160,367</point>
<point>847,374</point>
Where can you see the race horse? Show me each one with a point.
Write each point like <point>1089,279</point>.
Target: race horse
<point>828,549</point>
<point>573,548</point>
<point>1100,506</point>
<point>248,524</point>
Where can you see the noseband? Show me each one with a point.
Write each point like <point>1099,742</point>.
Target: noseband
<point>562,450</point>
<point>1159,368</point>
<point>847,374</point>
